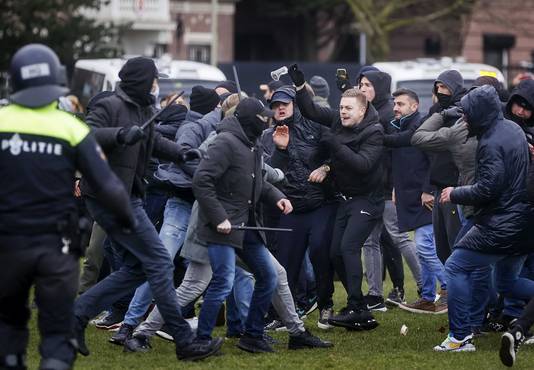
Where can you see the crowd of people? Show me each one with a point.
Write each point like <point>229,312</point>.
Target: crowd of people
<point>253,208</point>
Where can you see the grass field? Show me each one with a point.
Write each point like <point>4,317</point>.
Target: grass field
<point>382,348</point>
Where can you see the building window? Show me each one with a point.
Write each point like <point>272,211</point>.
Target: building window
<point>432,46</point>
<point>497,49</point>
<point>199,53</point>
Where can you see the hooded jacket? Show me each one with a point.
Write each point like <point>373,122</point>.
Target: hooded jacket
<point>229,183</point>
<point>303,155</point>
<point>499,192</point>
<point>356,164</point>
<point>443,171</point>
<point>383,104</point>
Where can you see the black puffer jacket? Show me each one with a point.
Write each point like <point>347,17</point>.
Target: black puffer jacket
<point>304,154</point>
<point>129,162</point>
<point>499,193</point>
<point>443,171</point>
<point>356,164</point>
<point>229,183</point>
<point>384,106</point>
<point>525,90</point>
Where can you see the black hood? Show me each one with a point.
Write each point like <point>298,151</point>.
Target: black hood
<point>454,82</point>
<point>482,108</point>
<point>382,84</point>
<point>525,90</point>
<point>137,77</point>
<point>232,125</point>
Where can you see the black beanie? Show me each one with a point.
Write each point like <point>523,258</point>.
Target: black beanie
<point>203,100</point>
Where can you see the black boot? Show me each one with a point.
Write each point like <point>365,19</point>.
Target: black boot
<point>125,332</point>
<point>137,343</point>
<point>254,344</point>
<point>307,340</point>
<point>79,335</point>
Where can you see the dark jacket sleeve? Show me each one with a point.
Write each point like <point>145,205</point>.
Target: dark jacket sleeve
<point>490,180</point>
<point>208,173</point>
<point>96,171</point>
<point>401,138</point>
<point>312,111</point>
<point>99,118</point>
<point>365,159</point>
<point>166,149</point>
<point>270,194</point>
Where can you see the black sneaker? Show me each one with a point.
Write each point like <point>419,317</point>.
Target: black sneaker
<point>112,320</point>
<point>325,315</point>
<point>199,349</point>
<point>79,335</point>
<point>375,303</point>
<point>253,344</point>
<point>301,312</point>
<point>275,325</point>
<point>269,339</point>
<point>307,340</point>
<point>137,343</point>
<point>354,320</point>
<point>510,342</point>
<point>311,305</point>
<point>125,331</point>
<point>395,297</point>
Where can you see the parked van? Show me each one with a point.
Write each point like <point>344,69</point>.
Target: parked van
<point>419,75</point>
<point>92,76</point>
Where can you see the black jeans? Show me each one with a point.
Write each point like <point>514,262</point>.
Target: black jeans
<point>392,260</point>
<point>355,219</point>
<point>446,224</point>
<point>27,260</point>
<point>311,230</point>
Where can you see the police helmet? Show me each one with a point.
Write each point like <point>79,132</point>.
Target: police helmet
<point>36,76</point>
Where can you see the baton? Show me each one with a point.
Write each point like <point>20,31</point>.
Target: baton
<point>260,228</point>
<point>156,115</point>
<point>237,82</point>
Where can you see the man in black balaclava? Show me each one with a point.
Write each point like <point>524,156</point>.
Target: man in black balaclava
<point>117,123</point>
<point>520,108</point>
<point>449,89</point>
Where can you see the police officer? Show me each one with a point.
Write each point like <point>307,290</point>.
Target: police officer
<point>41,147</point>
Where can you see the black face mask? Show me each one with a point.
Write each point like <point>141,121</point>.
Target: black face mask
<point>444,100</point>
<point>253,128</point>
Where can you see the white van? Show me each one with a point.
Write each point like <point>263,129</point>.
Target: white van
<point>419,75</point>
<point>92,76</point>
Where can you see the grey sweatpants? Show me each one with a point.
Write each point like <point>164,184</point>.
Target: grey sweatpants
<point>373,257</point>
<point>196,280</point>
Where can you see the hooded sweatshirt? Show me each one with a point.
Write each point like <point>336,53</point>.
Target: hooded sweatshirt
<point>443,171</point>
<point>524,90</point>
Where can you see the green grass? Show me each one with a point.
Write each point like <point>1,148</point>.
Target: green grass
<point>382,348</point>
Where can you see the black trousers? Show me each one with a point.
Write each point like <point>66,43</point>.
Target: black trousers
<point>37,260</point>
<point>355,219</point>
<point>311,230</point>
<point>392,260</point>
<point>446,224</point>
<point>526,320</point>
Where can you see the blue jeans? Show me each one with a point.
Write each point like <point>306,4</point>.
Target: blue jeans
<point>144,258</point>
<point>459,269</point>
<point>514,307</point>
<point>238,302</point>
<point>172,234</point>
<point>431,267</point>
<point>222,260</point>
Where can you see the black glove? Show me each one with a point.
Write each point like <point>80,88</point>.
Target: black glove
<point>452,114</point>
<point>192,155</point>
<point>296,75</point>
<point>343,83</point>
<point>330,140</point>
<point>130,136</point>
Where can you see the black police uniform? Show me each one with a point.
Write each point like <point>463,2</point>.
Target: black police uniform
<point>41,147</point>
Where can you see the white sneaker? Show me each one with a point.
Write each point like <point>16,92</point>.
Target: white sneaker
<point>451,344</point>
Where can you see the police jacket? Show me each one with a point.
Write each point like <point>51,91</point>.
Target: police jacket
<point>229,184</point>
<point>130,162</point>
<point>499,193</point>
<point>356,164</point>
<point>40,151</point>
<point>303,154</point>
